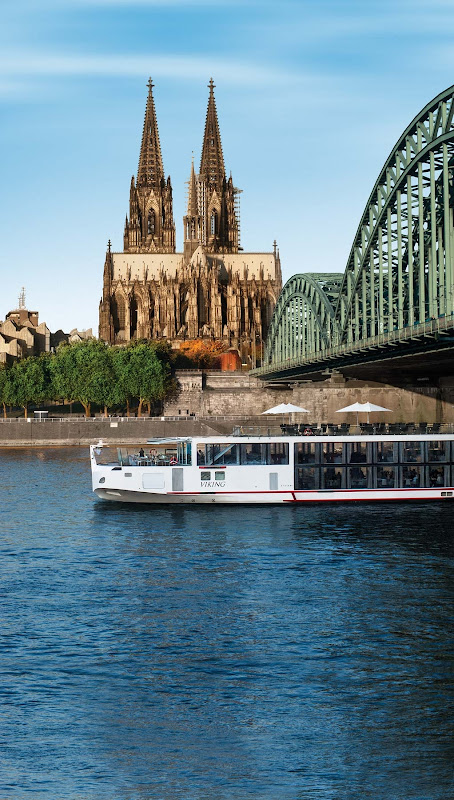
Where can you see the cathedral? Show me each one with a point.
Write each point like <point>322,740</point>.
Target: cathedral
<point>212,289</point>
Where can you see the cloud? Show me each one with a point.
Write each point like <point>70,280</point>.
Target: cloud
<point>14,65</point>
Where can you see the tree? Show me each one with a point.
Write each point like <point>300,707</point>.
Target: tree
<point>142,372</point>
<point>29,381</point>
<point>4,387</point>
<point>121,362</point>
<point>83,372</point>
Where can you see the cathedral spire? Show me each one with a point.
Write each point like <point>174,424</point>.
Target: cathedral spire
<point>212,169</point>
<point>150,171</point>
<point>192,196</point>
<point>150,228</point>
<point>192,221</point>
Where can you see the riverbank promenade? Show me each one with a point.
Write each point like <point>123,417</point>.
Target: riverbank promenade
<point>75,430</point>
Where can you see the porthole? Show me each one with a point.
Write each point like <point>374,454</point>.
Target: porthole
<point>102,480</point>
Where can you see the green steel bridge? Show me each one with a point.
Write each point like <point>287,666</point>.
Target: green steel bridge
<point>396,296</point>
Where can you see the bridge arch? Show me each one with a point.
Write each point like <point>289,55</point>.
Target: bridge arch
<point>400,270</point>
<point>304,317</point>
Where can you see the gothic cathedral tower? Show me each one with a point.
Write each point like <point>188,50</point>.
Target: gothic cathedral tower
<point>211,219</point>
<point>150,228</point>
<point>211,290</point>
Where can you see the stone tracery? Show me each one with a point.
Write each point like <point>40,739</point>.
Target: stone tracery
<point>212,289</point>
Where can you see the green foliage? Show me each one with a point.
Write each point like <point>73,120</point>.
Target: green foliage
<point>142,372</point>
<point>4,387</point>
<point>90,372</point>
<point>28,381</point>
<point>83,371</point>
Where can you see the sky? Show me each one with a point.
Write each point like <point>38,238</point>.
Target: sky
<point>311,96</point>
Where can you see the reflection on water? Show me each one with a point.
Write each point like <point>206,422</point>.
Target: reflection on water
<point>220,652</point>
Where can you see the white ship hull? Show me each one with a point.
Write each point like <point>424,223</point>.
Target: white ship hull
<point>248,470</point>
<point>275,498</point>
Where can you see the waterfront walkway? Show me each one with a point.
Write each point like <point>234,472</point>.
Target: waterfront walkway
<point>28,432</point>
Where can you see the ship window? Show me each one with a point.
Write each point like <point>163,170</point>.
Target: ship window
<point>184,453</point>
<point>358,477</point>
<point>306,478</point>
<point>231,453</point>
<point>410,452</point>
<point>411,476</point>
<point>357,452</point>
<point>278,453</point>
<point>333,478</point>
<point>437,451</point>
<point>219,476</point>
<point>386,477</point>
<point>102,480</point>
<point>436,476</point>
<point>205,476</point>
<point>386,451</point>
<point>254,453</point>
<point>220,454</point>
<point>332,453</point>
<point>305,453</point>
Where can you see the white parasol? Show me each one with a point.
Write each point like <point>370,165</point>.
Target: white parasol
<point>286,408</point>
<point>367,407</point>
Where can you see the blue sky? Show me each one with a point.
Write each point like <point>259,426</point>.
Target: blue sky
<point>311,97</point>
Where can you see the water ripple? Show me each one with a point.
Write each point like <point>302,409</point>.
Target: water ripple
<point>171,653</point>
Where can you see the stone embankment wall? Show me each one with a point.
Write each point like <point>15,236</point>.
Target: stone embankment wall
<point>215,402</point>
<point>81,431</point>
<point>223,393</point>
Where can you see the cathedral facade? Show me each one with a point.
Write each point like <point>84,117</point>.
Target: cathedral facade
<point>212,289</point>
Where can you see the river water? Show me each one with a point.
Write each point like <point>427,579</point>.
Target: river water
<point>228,653</point>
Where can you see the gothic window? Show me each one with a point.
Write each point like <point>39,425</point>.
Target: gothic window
<point>133,318</point>
<point>213,223</point>
<point>151,223</point>
<point>223,311</point>
<point>251,313</point>
<point>118,316</point>
<point>243,315</point>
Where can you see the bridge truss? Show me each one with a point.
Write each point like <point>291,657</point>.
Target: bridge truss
<point>399,280</point>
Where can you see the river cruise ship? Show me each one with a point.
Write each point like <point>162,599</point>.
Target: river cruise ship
<point>277,469</point>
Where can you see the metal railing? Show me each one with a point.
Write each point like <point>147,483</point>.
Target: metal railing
<point>401,335</point>
<point>253,425</point>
